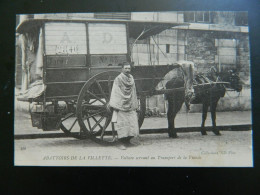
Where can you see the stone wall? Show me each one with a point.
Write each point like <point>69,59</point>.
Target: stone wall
<point>203,48</point>
<point>200,48</point>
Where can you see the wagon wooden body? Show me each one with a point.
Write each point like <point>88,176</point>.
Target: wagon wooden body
<point>80,59</point>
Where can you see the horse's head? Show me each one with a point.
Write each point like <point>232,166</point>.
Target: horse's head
<point>232,77</point>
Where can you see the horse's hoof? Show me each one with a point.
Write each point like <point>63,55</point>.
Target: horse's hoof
<point>216,132</point>
<point>173,135</point>
<point>204,133</point>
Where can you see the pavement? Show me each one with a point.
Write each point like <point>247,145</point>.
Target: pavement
<point>191,149</point>
<point>23,123</point>
<point>231,149</point>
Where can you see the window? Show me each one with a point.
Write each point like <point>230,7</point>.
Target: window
<point>167,48</point>
<point>189,17</point>
<point>199,16</point>
<point>241,19</point>
<point>202,16</point>
<point>226,51</point>
<point>118,15</point>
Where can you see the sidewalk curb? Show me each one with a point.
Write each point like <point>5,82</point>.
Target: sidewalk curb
<point>245,127</point>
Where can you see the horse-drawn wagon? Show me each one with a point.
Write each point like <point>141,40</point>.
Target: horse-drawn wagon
<point>75,65</point>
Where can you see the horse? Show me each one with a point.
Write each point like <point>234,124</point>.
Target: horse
<point>208,89</point>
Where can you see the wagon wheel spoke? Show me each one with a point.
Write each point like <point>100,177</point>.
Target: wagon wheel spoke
<point>93,106</point>
<point>96,97</point>
<point>109,85</point>
<point>101,90</point>
<point>88,123</point>
<point>93,101</point>
<point>68,122</point>
<point>90,116</point>
<point>97,123</point>
<point>73,124</point>
<point>70,115</point>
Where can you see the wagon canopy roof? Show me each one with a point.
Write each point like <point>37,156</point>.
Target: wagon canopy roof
<point>135,27</point>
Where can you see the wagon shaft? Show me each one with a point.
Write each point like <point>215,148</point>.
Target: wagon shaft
<point>148,77</point>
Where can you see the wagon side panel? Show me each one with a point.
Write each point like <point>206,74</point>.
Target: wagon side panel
<point>65,63</point>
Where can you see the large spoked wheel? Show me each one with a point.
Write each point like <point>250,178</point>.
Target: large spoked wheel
<point>69,122</point>
<point>93,114</point>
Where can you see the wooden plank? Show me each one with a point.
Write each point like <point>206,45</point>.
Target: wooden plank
<point>225,59</point>
<point>81,49</point>
<point>144,16</point>
<point>170,57</point>
<point>66,61</point>
<point>181,49</point>
<point>65,28</point>
<point>74,44</point>
<point>50,40</point>
<point>67,75</point>
<point>107,39</point>
<point>69,33</point>
<point>112,50</point>
<point>180,17</point>
<point>168,16</point>
<point>142,59</point>
<point>66,24</point>
<point>64,50</point>
<point>65,89</point>
<point>182,42</point>
<point>167,40</point>
<point>116,32</point>
<point>143,48</point>
<point>225,43</point>
<point>105,60</point>
<point>113,34</point>
<point>170,32</point>
<point>181,56</point>
<point>163,39</point>
<point>223,51</point>
<point>160,48</point>
<point>96,70</point>
<point>173,48</point>
<point>106,27</point>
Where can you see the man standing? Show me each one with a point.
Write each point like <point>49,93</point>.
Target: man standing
<point>123,100</point>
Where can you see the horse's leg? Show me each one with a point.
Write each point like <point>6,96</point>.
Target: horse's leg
<point>174,105</point>
<point>205,106</point>
<point>170,117</point>
<point>213,106</point>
